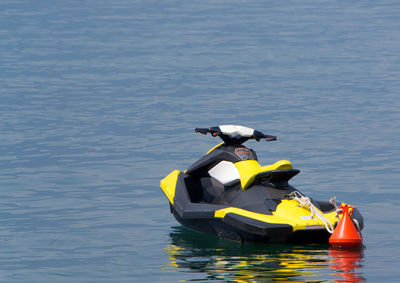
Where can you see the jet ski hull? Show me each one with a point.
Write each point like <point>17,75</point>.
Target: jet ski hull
<point>238,229</point>
<point>227,222</point>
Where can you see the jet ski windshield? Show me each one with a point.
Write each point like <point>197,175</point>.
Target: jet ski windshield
<point>235,134</point>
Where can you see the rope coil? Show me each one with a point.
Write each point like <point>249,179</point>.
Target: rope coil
<point>315,212</point>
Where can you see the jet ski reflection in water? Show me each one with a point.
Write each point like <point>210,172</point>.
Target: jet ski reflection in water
<point>205,256</point>
<point>228,193</point>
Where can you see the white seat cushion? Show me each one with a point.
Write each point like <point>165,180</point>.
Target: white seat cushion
<point>225,172</point>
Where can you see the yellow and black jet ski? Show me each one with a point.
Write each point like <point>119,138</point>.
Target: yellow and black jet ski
<point>228,193</point>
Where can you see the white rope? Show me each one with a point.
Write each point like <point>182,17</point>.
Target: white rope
<point>315,212</point>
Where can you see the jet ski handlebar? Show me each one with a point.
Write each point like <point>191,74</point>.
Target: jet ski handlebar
<point>232,134</point>
<point>258,135</point>
<point>214,131</point>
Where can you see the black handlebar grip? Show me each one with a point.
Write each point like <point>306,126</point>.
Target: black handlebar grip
<point>203,131</point>
<point>270,138</point>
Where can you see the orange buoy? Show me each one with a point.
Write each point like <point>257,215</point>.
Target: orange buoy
<point>345,233</point>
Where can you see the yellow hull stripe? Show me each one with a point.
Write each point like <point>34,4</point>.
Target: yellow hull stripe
<point>287,212</point>
<point>215,147</point>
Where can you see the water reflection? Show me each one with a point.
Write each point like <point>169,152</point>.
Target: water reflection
<point>214,259</point>
<point>346,264</point>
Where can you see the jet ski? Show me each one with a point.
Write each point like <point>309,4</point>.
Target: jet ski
<point>227,192</point>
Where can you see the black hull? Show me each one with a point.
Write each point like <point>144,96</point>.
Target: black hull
<point>234,227</point>
<point>241,229</point>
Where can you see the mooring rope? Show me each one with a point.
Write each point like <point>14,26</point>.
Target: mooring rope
<point>315,212</point>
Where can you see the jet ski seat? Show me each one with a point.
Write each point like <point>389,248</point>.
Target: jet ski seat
<point>245,171</point>
<point>251,170</point>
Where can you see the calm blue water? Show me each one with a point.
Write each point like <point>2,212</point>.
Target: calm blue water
<point>98,102</point>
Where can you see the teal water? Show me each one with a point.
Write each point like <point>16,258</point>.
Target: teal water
<point>98,102</point>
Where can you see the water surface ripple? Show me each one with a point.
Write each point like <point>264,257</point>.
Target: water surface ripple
<point>98,102</point>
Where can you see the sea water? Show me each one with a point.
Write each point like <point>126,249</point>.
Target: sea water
<point>99,100</point>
